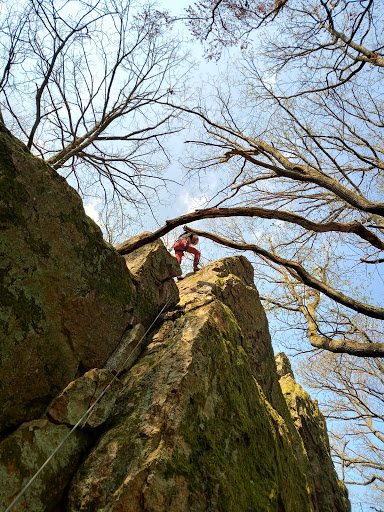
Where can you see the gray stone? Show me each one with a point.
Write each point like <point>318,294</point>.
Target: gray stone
<point>193,430</point>
<point>25,451</point>
<point>128,350</point>
<point>69,407</point>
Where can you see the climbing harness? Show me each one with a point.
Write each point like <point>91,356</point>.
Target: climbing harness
<point>85,416</point>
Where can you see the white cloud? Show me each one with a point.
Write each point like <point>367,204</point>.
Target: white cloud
<point>91,211</point>
<point>271,79</point>
<point>190,202</point>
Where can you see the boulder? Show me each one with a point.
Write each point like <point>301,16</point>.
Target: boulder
<point>150,266</point>
<point>197,423</point>
<point>65,294</point>
<point>25,451</point>
<point>231,281</point>
<point>79,395</point>
<point>327,492</point>
<point>128,350</point>
<point>199,418</point>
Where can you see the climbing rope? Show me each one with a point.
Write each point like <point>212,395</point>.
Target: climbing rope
<point>85,416</point>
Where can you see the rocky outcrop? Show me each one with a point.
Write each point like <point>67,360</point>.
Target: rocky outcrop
<point>193,428</point>
<point>149,266</point>
<point>66,296</point>
<point>76,399</point>
<point>24,451</point>
<point>327,492</point>
<point>234,286</point>
<point>195,419</point>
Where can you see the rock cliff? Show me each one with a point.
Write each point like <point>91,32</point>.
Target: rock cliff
<point>66,296</point>
<point>194,414</point>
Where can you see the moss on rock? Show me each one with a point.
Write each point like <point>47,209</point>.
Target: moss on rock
<point>64,294</point>
<point>193,429</point>
<point>24,452</point>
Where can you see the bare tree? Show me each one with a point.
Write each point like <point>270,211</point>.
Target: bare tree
<point>81,86</point>
<point>223,23</point>
<point>307,153</point>
<point>335,39</point>
<point>307,140</point>
<point>92,88</point>
<point>320,183</point>
<point>354,410</point>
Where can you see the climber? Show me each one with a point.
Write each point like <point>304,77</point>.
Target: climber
<point>185,243</point>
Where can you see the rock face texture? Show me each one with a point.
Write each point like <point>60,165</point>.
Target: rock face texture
<point>327,492</point>
<point>80,394</point>
<point>194,415</point>
<point>66,297</point>
<point>24,451</point>
<point>64,293</point>
<point>193,429</point>
<point>149,265</point>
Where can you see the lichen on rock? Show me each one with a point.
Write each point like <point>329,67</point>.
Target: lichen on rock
<point>64,293</point>
<point>197,420</point>
<point>193,429</point>
<point>78,397</point>
<point>327,492</point>
<point>25,451</point>
<point>66,296</point>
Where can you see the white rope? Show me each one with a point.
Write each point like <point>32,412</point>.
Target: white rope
<point>85,415</point>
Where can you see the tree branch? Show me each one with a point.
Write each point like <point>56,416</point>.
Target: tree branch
<point>210,213</point>
<point>288,169</point>
<point>301,273</point>
<point>364,260</point>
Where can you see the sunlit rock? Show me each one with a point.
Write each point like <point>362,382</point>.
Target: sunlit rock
<point>75,400</point>
<point>327,492</point>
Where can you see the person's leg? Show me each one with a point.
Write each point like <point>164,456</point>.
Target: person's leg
<point>179,250</point>
<point>179,256</point>
<point>196,252</point>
